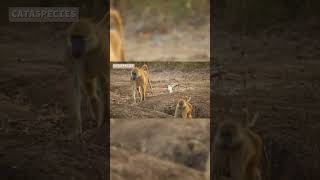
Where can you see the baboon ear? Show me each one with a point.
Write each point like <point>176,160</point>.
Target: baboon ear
<point>247,122</point>
<point>254,119</point>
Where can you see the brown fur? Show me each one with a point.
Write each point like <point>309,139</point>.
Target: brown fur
<point>140,80</point>
<point>237,151</point>
<point>183,108</point>
<point>116,37</point>
<point>89,71</point>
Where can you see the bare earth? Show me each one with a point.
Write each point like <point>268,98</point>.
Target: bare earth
<point>159,148</point>
<point>194,83</point>
<point>277,72</point>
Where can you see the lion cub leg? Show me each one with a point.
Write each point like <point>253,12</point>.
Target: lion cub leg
<point>96,103</point>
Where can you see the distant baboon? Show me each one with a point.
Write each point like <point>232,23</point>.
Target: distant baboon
<point>140,78</point>
<point>86,58</point>
<point>183,108</point>
<point>116,37</point>
<point>237,151</point>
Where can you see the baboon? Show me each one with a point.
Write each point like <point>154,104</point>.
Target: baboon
<point>85,58</point>
<point>183,108</point>
<point>237,151</point>
<point>116,37</point>
<point>139,81</point>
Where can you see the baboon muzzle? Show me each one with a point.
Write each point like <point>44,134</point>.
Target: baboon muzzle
<point>78,46</point>
<point>133,76</point>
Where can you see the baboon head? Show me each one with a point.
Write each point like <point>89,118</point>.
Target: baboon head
<point>82,38</point>
<point>230,133</point>
<point>135,74</point>
<point>182,103</point>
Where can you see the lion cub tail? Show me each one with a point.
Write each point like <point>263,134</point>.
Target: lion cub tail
<point>115,16</point>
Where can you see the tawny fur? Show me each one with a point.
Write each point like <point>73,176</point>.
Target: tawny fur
<point>117,51</point>
<point>89,71</point>
<point>183,108</point>
<point>140,79</point>
<point>237,151</point>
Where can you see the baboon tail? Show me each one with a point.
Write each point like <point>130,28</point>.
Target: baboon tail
<point>188,99</point>
<point>145,68</point>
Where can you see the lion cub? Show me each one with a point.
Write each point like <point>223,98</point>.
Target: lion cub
<point>116,37</point>
<point>139,81</point>
<point>183,108</point>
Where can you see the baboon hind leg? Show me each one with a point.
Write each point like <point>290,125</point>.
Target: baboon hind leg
<point>140,93</point>
<point>96,103</point>
<point>144,91</point>
<point>76,119</point>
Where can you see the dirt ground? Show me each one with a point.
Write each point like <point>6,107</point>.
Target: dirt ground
<point>34,99</point>
<point>276,73</point>
<point>193,80</point>
<point>163,148</point>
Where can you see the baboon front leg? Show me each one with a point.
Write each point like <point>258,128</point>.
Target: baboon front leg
<point>184,115</point>
<point>256,174</point>
<point>141,93</point>
<point>96,103</point>
<point>77,119</point>
<point>189,115</point>
<point>176,113</point>
<point>238,167</point>
<point>134,92</point>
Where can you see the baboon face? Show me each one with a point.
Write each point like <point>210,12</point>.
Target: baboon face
<point>135,74</point>
<point>229,135</point>
<point>82,38</point>
<point>182,103</point>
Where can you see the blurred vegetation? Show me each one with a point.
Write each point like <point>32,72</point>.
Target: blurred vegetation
<point>254,14</point>
<point>174,11</point>
<point>166,10</point>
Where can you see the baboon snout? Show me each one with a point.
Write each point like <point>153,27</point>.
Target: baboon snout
<point>133,75</point>
<point>226,139</point>
<point>77,46</point>
<point>181,103</point>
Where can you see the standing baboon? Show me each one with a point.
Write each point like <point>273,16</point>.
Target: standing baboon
<point>85,58</point>
<point>140,78</point>
<point>237,151</point>
<point>183,108</point>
